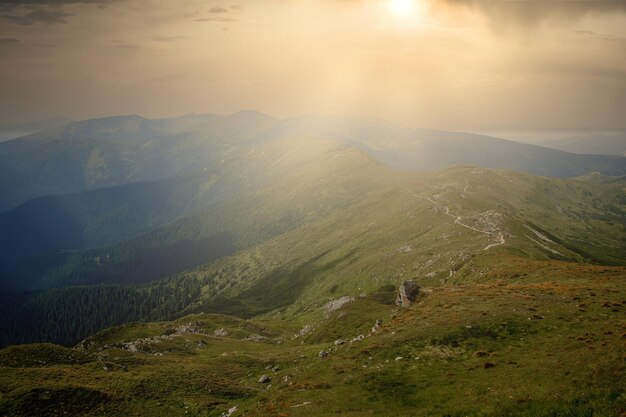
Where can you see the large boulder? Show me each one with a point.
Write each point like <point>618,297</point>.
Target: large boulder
<point>408,293</point>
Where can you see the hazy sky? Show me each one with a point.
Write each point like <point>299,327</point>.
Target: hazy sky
<point>448,64</point>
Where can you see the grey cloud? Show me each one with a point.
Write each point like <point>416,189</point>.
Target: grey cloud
<point>46,16</point>
<point>505,13</point>
<point>30,12</point>
<point>601,36</point>
<point>9,41</point>
<point>170,38</point>
<point>218,10</point>
<point>125,45</point>
<point>217,19</point>
<point>14,3</point>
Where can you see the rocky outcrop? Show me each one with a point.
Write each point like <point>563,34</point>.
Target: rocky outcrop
<point>377,325</point>
<point>408,293</point>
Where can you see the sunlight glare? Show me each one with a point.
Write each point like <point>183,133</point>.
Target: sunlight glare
<point>401,8</point>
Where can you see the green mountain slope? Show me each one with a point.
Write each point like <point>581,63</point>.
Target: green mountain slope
<point>253,196</point>
<point>522,279</point>
<point>381,227</point>
<point>459,350</point>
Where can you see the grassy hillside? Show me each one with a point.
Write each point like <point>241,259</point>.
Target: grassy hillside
<point>436,228</point>
<point>466,349</point>
<point>251,197</point>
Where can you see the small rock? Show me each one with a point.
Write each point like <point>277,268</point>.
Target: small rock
<point>357,338</point>
<point>265,379</point>
<point>230,411</point>
<point>399,358</point>
<point>221,332</point>
<point>338,342</point>
<point>378,323</point>
<point>323,353</point>
<point>407,294</point>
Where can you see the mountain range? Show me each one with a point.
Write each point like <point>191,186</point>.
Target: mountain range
<point>165,250</point>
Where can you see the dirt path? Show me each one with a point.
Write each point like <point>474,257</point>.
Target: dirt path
<point>459,220</point>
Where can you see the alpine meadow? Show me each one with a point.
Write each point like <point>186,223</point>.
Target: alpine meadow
<point>424,214</point>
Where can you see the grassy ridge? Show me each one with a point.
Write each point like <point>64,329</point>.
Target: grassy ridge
<point>459,350</point>
<point>434,228</point>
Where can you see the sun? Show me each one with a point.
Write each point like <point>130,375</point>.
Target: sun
<point>401,8</point>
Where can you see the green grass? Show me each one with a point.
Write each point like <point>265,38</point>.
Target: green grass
<point>553,339</point>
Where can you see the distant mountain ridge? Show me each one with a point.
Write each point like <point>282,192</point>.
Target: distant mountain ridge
<point>119,150</point>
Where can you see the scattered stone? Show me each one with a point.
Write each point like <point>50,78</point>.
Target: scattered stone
<point>255,338</point>
<point>336,304</point>
<point>488,365</point>
<point>306,329</point>
<point>190,328</point>
<point>406,249</point>
<point>378,323</point>
<point>230,412</point>
<point>323,353</point>
<point>339,342</point>
<point>407,294</point>
<point>275,368</point>
<point>131,347</point>
<point>357,338</point>
<point>265,379</point>
<point>399,358</point>
<point>221,332</point>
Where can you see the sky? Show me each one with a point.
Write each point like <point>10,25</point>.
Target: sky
<point>443,64</point>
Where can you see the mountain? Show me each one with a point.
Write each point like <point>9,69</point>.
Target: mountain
<point>116,151</point>
<point>514,284</point>
<point>12,131</point>
<point>243,265</point>
<point>592,144</point>
<point>249,197</point>
<point>423,149</point>
<point>119,150</point>
<point>440,228</point>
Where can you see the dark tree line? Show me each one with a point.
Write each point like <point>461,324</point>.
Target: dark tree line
<point>68,315</point>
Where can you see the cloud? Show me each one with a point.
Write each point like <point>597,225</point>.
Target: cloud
<point>601,36</point>
<point>30,12</point>
<point>14,3</point>
<point>503,13</point>
<point>125,45</point>
<point>170,38</point>
<point>218,10</point>
<point>46,16</point>
<point>9,41</point>
<point>217,19</point>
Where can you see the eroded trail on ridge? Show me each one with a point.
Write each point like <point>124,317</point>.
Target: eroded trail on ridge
<point>459,221</point>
